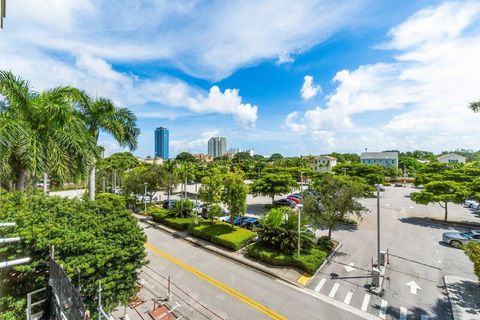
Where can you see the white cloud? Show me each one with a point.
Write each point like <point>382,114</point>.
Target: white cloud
<point>309,89</point>
<point>209,40</point>
<point>418,101</point>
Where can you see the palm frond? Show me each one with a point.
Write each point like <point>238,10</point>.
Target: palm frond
<point>474,106</point>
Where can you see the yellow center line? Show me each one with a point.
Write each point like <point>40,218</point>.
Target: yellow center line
<point>270,313</point>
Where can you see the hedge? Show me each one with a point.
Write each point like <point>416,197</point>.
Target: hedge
<point>221,233</point>
<point>309,261</point>
<point>164,216</point>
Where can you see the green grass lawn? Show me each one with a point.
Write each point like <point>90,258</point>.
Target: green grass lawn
<point>309,260</point>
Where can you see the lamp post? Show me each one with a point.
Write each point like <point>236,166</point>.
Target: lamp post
<point>300,213</point>
<point>378,225</point>
<point>196,203</point>
<point>103,178</point>
<point>145,197</point>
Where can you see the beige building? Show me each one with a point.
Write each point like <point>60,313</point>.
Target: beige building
<point>451,158</point>
<point>202,157</point>
<point>324,163</point>
<point>156,160</point>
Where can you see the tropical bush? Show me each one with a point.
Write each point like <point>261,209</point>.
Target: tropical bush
<point>99,238</point>
<point>473,252</point>
<point>309,261</point>
<point>221,233</point>
<point>279,230</point>
<point>183,208</point>
<point>166,217</point>
<point>325,244</point>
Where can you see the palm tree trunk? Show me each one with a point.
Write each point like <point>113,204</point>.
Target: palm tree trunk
<point>329,233</point>
<point>21,179</point>
<point>91,184</point>
<point>45,183</point>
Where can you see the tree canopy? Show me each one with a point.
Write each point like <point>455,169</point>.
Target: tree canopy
<point>272,184</point>
<point>185,156</point>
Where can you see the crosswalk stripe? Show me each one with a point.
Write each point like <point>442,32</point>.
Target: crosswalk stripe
<point>334,290</point>
<point>348,297</point>
<point>366,299</point>
<point>320,285</point>
<point>383,309</point>
<point>403,313</point>
<point>424,317</point>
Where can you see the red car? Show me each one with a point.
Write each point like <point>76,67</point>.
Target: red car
<point>296,200</point>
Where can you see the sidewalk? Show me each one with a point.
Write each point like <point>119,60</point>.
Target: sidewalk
<point>464,297</point>
<point>288,274</point>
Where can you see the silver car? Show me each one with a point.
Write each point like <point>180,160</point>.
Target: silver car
<point>456,239</point>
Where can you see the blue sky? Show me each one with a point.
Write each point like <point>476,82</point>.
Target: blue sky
<point>375,74</point>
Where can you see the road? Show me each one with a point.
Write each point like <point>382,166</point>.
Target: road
<point>234,291</point>
<point>414,285</point>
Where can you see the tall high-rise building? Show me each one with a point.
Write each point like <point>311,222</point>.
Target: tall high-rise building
<point>217,146</point>
<point>161,143</point>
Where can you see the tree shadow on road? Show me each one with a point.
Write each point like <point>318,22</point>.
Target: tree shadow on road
<point>430,223</point>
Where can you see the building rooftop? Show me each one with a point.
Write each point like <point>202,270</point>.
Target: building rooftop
<point>450,155</point>
<point>379,155</point>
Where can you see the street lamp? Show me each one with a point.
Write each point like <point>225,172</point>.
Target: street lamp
<point>196,203</point>
<point>378,225</point>
<point>103,178</point>
<point>145,197</point>
<point>300,213</point>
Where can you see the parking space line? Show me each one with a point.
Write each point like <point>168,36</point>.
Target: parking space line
<point>403,313</point>
<point>383,309</point>
<point>320,285</point>
<point>348,297</point>
<point>366,300</point>
<point>334,290</point>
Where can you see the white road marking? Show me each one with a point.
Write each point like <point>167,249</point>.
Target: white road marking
<point>411,207</point>
<point>403,313</point>
<point>350,267</point>
<point>334,290</point>
<point>414,287</point>
<point>320,285</point>
<point>348,297</point>
<point>383,309</point>
<point>366,300</point>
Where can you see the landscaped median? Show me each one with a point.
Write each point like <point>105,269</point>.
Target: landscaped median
<point>309,260</point>
<point>217,232</point>
<point>221,233</point>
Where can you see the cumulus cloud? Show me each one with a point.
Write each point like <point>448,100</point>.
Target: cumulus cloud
<point>417,101</point>
<point>309,89</point>
<point>209,40</point>
<point>195,145</point>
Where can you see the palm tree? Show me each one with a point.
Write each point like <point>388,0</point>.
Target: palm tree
<point>101,114</point>
<point>41,132</point>
<point>474,106</point>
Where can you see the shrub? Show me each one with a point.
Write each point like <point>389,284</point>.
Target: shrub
<point>472,250</point>
<point>158,214</point>
<point>325,244</point>
<point>180,224</point>
<point>349,221</point>
<point>183,208</point>
<point>114,200</point>
<point>221,233</point>
<point>309,260</point>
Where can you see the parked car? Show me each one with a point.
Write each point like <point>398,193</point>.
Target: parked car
<point>297,195</point>
<point>169,204</point>
<point>250,223</point>
<point>285,202</point>
<point>294,199</point>
<point>398,184</point>
<point>471,203</point>
<point>456,239</point>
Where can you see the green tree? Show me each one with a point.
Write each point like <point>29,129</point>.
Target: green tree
<point>337,198</point>
<point>172,179</point>
<point>234,195</point>
<point>474,106</point>
<point>276,157</point>
<point>441,192</point>
<point>40,133</point>
<point>241,157</point>
<point>101,114</point>
<point>153,177</point>
<point>211,190</point>
<point>472,250</point>
<point>183,208</point>
<point>271,184</point>
<point>185,156</point>
<point>99,238</point>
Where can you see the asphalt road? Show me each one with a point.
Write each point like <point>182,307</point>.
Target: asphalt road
<point>234,291</point>
<point>418,260</point>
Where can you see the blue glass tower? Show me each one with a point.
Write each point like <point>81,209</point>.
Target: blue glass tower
<point>161,143</point>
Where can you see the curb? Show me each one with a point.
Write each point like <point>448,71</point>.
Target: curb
<point>327,260</point>
<point>198,242</point>
<point>454,313</point>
